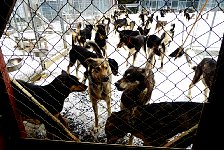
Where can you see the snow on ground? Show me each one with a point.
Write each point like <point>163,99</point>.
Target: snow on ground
<point>171,82</point>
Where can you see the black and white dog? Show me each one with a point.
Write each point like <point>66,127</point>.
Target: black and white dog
<point>134,44</point>
<point>81,36</point>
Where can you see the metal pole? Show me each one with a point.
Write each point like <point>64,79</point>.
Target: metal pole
<point>62,23</point>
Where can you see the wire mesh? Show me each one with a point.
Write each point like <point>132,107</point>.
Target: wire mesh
<point>38,39</point>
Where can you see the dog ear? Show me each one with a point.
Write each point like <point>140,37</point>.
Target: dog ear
<point>64,72</point>
<point>90,61</point>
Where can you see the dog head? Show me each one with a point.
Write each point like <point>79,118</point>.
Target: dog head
<point>98,70</point>
<point>132,76</point>
<point>100,28</point>
<point>70,81</point>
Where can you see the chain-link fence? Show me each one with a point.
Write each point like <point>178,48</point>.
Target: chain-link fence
<point>36,46</point>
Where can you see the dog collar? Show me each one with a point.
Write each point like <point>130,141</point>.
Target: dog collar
<point>129,40</point>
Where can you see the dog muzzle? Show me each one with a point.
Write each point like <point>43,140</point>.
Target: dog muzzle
<point>105,79</point>
<point>117,84</point>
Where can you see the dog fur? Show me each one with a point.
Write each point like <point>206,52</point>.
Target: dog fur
<point>118,23</point>
<point>186,14</point>
<point>155,47</point>
<point>127,33</point>
<point>144,31</point>
<point>51,96</point>
<point>106,22</point>
<point>80,54</point>
<point>160,24</point>
<point>168,35</point>
<point>204,71</point>
<point>149,22</point>
<point>131,25</point>
<point>154,123</point>
<point>134,44</point>
<point>82,35</point>
<point>178,52</point>
<point>137,85</point>
<point>100,79</point>
<point>101,37</point>
<point>142,18</point>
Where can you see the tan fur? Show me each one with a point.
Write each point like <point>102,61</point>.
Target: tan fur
<point>160,25</point>
<point>99,89</point>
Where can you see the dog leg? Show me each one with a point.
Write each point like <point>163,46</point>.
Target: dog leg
<point>129,55</point>
<point>68,69</point>
<point>151,61</point>
<point>189,91</point>
<point>130,141</point>
<point>162,57</point>
<point>134,57</point>
<point>104,51</point>
<point>85,76</point>
<point>206,90</point>
<point>163,50</point>
<point>108,101</point>
<point>77,69</point>
<point>196,78</point>
<point>95,109</point>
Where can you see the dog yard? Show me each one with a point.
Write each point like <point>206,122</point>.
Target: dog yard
<point>200,39</point>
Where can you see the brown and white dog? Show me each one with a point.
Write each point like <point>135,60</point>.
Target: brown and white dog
<point>137,85</point>
<point>204,71</point>
<point>100,78</point>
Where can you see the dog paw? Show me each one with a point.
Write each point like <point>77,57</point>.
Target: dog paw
<point>95,130</point>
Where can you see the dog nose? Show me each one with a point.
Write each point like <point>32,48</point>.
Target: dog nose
<point>105,79</point>
<point>116,84</point>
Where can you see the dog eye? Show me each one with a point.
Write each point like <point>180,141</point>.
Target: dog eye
<point>127,75</point>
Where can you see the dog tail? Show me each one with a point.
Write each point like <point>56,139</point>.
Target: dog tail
<point>145,43</point>
<point>176,53</point>
<point>95,47</point>
<point>78,28</point>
